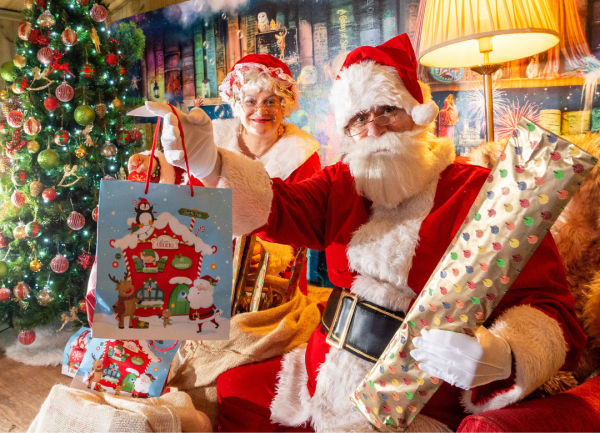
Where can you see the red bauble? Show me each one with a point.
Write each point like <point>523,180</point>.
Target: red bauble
<point>121,70</point>
<point>21,290</point>
<point>110,59</point>
<point>4,294</point>
<point>3,241</point>
<point>4,127</point>
<point>61,137</point>
<point>84,2</point>
<point>24,30</point>
<point>76,221</point>
<point>59,264</point>
<point>19,85</point>
<point>43,40</point>
<point>136,135</point>
<point>64,92</point>
<point>45,56</point>
<point>15,118</point>
<point>82,306</point>
<point>19,177</point>
<point>34,36</point>
<point>51,103</point>
<point>49,194</point>
<point>68,37</point>
<point>26,337</point>
<point>32,126</point>
<point>98,13</point>
<point>18,199</point>
<point>86,260</point>
<point>94,215</point>
<point>123,137</point>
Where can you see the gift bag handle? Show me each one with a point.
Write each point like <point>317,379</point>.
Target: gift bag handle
<point>187,166</point>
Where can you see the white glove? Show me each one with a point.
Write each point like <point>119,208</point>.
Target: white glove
<point>463,361</point>
<point>198,134</point>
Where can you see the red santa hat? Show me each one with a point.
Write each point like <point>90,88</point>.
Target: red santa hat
<point>141,202</point>
<point>212,281</point>
<point>382,75</point>
<point>234,81</point>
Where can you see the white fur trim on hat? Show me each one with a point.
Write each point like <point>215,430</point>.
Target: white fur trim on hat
<point>364,85</point>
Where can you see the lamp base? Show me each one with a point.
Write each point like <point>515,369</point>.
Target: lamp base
<point>487,71</point>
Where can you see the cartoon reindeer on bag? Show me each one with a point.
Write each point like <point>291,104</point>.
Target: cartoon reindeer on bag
<point>96,372</point>
<point>127,302</point>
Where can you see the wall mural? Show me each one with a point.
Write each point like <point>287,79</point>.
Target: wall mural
<point>191,46</point>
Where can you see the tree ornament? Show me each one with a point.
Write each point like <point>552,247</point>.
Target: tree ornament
<point>76,221</point>
<point>29,4</point>
<point>59,264</point>
<point>64,92</point>
<point>32,126</point>
<point>94,217</point>
<point>47,159</point>
<point>3,269</point>
<point>4,127</point>
<point>46,19</point>
<point>84,2</point>
<point>121,70</point>
<point>15,118</point>
<point>19,86</point>
<point>3,95</point>
<point>84,115</point>
<point>4,294</point>
<point>35,188</point>
<point>100,110</point>
<point>80,152</point>
<point>26,337</point>
<point>88,71</point>
<point>49,194</point>
<point>4,163</point>
<point>7,107</point>
<point>33,146</point>
<point>20,232</point>
<point>4,240</point>
<point>34,265</point>
<point>51,103</point>
<point>110,59</point>
<point>21,290</point>
<point>7,71</point>
<point>108,150</point>
<point>68,37</point>
<point>117,103</point>
<point>24,30</point>
<point>69,171</point>
<point>82,306</point>
<point>19,178</point>
<point>136,134</point>
<point>19,61</point>
<point>46,56</point>
<point>98,13</point>
<point>123,137</point>
<point>18,199</point>
<point>43,40</point>
<point>8,211</point>
<point>33,229</point>
<point>44,297</point>
<point>61,137</point>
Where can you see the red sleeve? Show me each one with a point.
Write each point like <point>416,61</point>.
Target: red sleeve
<point>306,170</point>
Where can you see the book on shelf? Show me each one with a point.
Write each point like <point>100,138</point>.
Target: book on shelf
<point>319,30</point>
<point>160,65</point>
<point>248,27</point>
<point>234,48</point>
<point>370,22</point>
<point>389,22</point>
<point>150,70</point>
<point>305,33</point>
<point>211,63</point>
<point>343,29</point>
<point>199,60</point>
<point>221,49</point>
<point>188,78</point>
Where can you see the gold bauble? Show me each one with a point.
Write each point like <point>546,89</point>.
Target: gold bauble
<point>3,94</point>
<point>33,146</point>
<point>20,61</point>
<point>29,4</point>
<point>36,187</point>
<point>20,232</point>
<point>80,152</point>
<point>117,103</point>
<point>35,265</point>
<point>44,297</point>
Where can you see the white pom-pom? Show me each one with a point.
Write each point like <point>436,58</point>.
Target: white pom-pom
<point>424,114</point>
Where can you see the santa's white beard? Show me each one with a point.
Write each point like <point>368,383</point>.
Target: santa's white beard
<point>201,299</point>
<point>392,167</point>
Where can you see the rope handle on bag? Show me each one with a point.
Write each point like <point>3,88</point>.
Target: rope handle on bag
<point>187,166</point>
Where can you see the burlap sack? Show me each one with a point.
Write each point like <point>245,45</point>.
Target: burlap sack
<point>71,410</point>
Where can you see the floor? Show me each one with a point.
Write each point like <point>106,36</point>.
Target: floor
<point>23,388</point>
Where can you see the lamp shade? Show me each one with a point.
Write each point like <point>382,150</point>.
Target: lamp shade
<point>455,33</point>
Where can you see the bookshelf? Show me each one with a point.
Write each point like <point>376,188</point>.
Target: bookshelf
<point>515,83</point>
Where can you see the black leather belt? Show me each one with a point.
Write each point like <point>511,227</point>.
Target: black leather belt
<point>360,327</point>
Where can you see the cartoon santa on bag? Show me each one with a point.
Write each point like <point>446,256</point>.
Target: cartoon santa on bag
<point>200,297</point>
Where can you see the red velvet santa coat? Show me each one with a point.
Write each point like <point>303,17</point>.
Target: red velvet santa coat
<point>324,212</point>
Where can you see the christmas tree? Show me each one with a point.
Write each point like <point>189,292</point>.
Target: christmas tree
<point>65,130</point>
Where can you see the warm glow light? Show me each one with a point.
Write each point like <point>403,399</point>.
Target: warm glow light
<point>454,31</point>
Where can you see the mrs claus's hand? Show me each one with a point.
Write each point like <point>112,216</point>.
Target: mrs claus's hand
<point>463,361</point>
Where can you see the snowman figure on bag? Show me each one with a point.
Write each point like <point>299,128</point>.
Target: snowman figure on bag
<point>202,306</point>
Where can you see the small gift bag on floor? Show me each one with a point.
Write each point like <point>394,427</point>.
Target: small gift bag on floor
<point>534,179</point>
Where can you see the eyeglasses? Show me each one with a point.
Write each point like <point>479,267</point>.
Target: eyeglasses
<point>358,127</point>
<point>251,106</point>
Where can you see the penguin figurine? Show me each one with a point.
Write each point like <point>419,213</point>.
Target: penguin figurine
<point>144,215</point>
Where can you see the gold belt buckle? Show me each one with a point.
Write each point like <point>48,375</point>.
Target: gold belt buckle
<point>329,340</point>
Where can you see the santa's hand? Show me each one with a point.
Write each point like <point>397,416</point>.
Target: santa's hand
<point>139,163</point>
<point>198,135</point>
<point>463,361</point>
<point>218,312</point>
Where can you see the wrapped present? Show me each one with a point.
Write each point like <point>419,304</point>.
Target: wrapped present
<point>532,182</point>
<point>75,350</point>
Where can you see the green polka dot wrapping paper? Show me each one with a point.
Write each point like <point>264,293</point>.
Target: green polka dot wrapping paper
<point>535,177</point>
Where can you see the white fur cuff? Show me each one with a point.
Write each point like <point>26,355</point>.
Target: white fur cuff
<point>539,349</point>
<point>251,191</point>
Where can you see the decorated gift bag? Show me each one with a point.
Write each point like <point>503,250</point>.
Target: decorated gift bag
<point>532,182</point>
<point>130,368</point>
<point>75,350</point>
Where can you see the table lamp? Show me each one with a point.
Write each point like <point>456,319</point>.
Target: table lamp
<point>483,34</point>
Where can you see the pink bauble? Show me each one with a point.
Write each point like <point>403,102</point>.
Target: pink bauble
<point>15,118</point>
<point>18,199</point>
<point>59,264</point>
<point>50,103</point>
<point>21,290</point>
<point>4,294</point>
<point>64,92</point>
<point>45,56</point>
<point>110,59</point>
<point>32,126</point>
<point>76,221</point>
<point>68,37</point>
<point>26,337</point>
<point>98,13</point>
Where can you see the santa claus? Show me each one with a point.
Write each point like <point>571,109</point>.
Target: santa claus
<point>384,215</point>
<point>202,306</point>
<point>141,387</point>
